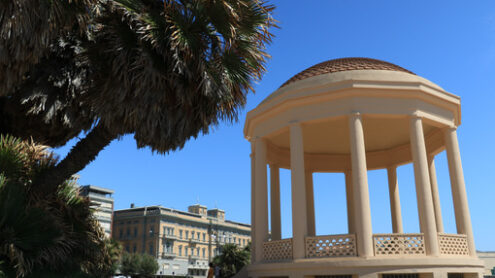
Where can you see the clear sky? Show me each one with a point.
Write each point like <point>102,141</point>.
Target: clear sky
<point>451,43</point>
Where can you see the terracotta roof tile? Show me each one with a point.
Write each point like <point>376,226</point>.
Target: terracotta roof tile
<point>344,64</point>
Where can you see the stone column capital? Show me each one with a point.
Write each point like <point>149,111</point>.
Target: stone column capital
<point>392,167</point>
<point>451,128</point>
<point>355,114</point>
<point>294,123</point>
<point>415,115</point>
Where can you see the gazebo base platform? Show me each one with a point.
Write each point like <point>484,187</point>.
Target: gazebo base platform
<point>373,267</point>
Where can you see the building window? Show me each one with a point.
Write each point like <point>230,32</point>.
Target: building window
<point>204,236</point>
<point>197,252</point>
<point>168,248</point>
<point>186,251</point>
<point>152,230</point>
<point>198,235</point>
<point>187,234</point>
<point>204,253</point>
<point>192,234</point>
<point>180,250</point>
<point>121,233</point>
<point>134,248</point>
<point>180,233</point>
<point>128,232</point>
<point>151,248</point>
<point>135,231</point>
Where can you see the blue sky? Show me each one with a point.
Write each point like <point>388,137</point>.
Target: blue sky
<point>450,43</point>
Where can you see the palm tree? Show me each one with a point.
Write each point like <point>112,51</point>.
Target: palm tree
<point>166,71</point>
<point>47,105</point>
<point>48,234</point>
<point>28,27</point>
<point>232,260</point>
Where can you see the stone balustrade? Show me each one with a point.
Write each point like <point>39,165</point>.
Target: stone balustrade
<point>331,246</point>
<point>344,245</point>
<point>399,244</point>
<point>453,244</point>
<point>277,250</point>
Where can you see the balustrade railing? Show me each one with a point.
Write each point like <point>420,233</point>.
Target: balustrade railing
<point>399,244</point>
<point>453,244</point>
<point>277,250</point>
<point>331,246</point>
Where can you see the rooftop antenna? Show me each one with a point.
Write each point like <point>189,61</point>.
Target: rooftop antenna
<point>197,200</point>
<point>216,205</point>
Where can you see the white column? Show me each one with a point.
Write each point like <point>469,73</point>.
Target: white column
<point>253,204</point>
<point>434,194</point>
<point>275,202</point>
<point>393,191</point>
<point>360,187</point>
<point>299,225</point>
<point>423,188</point>
<point>462,216</point>
<point>310,203</point>
<point>350,203</point>
<point>261,199</point>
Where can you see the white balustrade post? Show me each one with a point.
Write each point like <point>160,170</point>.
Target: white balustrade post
<point>423,188</point>
<point>462,216</point>
<point>275,202</point>
<point>261,199</point>
<point>435,194</point>
<point>360,187</point>
<point>298,180</point>
<point>393,191</point>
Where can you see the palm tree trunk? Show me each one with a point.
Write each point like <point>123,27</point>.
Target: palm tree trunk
<point>79,156</point>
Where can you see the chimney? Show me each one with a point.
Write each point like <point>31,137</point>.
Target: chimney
<point>132,205</point>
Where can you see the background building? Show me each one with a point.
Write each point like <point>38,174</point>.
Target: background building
<point>183,242</point>
<point>102,200</point>
<point>489,259</point>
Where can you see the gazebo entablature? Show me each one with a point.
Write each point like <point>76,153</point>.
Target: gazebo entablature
<point>352,122</point>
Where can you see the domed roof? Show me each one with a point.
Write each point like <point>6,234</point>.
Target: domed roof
<point>344,64</point>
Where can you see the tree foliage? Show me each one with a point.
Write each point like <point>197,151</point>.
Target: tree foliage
<point>164,71</point>
<point>232,259</point>
<point>45,234</point>
<point>28,27</point>
<point>138,265</point>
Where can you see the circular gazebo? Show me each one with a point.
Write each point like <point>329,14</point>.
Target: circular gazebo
<point>349,116</point>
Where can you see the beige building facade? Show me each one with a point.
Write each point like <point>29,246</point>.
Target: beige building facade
<point>349,116</point>
<point>489,259</point>
<point>183,242</point>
